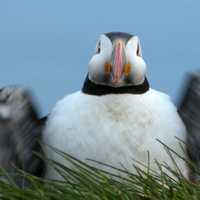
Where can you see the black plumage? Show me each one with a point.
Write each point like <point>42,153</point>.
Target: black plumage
<point>114,35</point>
<point>94,89</point>
<point>189,111</point>
<point>20,133</point>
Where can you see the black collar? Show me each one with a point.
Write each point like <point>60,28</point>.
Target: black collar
<point>93,89</point>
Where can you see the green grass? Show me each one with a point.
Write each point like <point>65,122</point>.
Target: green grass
<point>86,182</point>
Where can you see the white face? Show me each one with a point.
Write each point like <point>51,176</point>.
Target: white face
<point>117,62</point>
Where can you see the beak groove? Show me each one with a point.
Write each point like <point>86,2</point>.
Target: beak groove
<point>118,61</point>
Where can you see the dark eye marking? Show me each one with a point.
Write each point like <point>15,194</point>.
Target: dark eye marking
<point>98,47</point>
<point>138,50</point>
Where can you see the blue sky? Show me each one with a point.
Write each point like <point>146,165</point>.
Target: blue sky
<point>46,45</point>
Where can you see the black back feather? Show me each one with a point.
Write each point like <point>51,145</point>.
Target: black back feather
<point>20,133</point>
<point>189,111</point>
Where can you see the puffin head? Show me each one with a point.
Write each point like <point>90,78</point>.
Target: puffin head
<point>117,61</point>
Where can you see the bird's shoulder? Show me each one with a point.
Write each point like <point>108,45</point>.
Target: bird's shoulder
<point>158,99</point>
<point>67,101</point>
<point>153,93</point>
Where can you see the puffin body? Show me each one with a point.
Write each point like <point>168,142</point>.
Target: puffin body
<point>20,132</point>
<point>116,117</point>
<point>109,129</point>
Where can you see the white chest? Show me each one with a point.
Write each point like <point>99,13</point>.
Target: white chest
<point>115,129</point>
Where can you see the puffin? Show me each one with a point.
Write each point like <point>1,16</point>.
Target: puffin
<point>189,111</point>
<point>116,118</point>
<point>20,134</point>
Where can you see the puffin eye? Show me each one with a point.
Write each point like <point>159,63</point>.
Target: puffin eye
<point>98,49</point>
<point>138,50</point>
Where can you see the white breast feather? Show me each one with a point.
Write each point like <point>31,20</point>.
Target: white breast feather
<point>115,129</point>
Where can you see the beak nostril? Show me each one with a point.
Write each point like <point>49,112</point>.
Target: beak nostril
<point>127,69</point>
<point>107,68</point>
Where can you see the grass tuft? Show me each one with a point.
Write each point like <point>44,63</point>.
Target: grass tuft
<point>82,181</point>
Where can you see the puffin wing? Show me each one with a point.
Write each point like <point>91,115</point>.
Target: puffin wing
<point>20,133</point>
<point>189,111</point>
